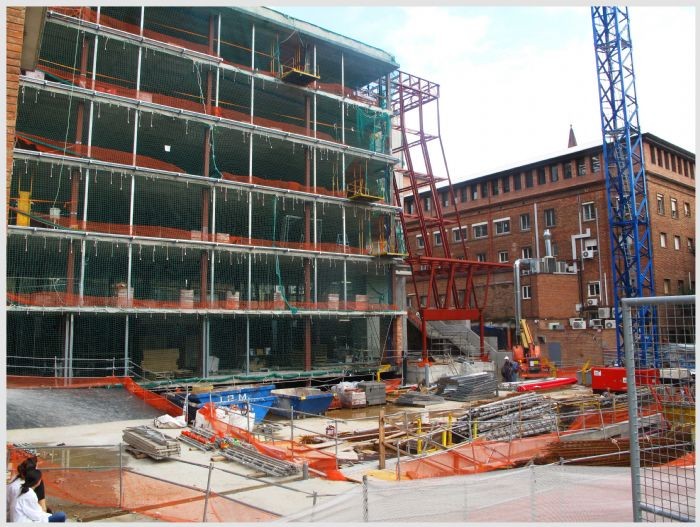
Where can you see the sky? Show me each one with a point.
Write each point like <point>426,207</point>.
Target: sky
<point>513,79</point>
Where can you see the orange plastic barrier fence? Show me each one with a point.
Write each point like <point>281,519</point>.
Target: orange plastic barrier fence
<point>35,381</point>
<point>596,419</point>
<point>62,299</point>
<point>687,460</point>
<point>139,493</point>
<point>476,457</point>
<point>285,450</point>
<point>96,152</point>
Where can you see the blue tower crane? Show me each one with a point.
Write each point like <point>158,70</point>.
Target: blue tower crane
<point>625,180</point>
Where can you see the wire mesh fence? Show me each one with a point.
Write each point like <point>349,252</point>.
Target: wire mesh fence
<point>663,449</point>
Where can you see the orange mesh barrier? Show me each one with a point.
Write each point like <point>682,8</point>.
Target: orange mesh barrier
<point>476,457</point>
<point>142,494</point>
<point>291,185</point>
<point>595,419</point>
<point>153,399</point>
<point>96,152</point>
<point>62,299</point>
<point>285,450</point>
<point>687,460</point>
<point>35,381</point>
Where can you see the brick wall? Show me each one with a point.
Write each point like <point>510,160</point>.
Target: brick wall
<point>14,39</point>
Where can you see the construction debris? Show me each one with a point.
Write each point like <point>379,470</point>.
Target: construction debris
<point>151,442</point>
<point>467,387</point>
<point>248,456</point>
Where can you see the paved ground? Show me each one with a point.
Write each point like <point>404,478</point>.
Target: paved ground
<point>46,408</point>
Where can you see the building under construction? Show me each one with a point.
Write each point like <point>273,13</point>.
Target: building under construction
<point>196,190</point>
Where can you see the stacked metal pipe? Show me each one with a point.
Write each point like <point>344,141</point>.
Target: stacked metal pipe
<point>151,442</point>
<point>467,387</point>
<point>248,456</point>
<point>520,416</point>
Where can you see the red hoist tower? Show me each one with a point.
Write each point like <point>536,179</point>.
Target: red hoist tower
<point>441,269</point>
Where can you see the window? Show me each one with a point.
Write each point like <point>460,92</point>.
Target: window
<point>681,287</point>
<point>554,173</point>
<point>595,164</point>
<point>673,163</point>
<point>667,286</point>
<point>674,208</point>
<point>505,183</point>
<point>426,204</point>
<point>667,160</point>
<point>480,230</point>
<point>445,199</point>
<point>581,167</point>
<point>494,187</point>
<point>526,252</point>
<point>419,241</point>
<point>475,192</point>
<point>459,235</point>
<point>662,239</point>
<point>528,180</point>
<point>660,207</point>
<point>502,256</point>
<point>525,222</point>
<point>502,226</point>
<point>541,176</point>
<point>463,194</point>
<point>481,257</point>
<point>691,246</point>
<point>484,190</point>
<point>677,243</point>
<point>588,211</point>
<point>517,183</point>
<point>555,249</point>
<point>437,236</point>
<point>409,207</point>
<point>423,301</point>
<point>550,219</point>
<point>593,288</point>
<point>567,170</point>
<point>686,209</point>
<point>527,292</point>
<point>652,151</point>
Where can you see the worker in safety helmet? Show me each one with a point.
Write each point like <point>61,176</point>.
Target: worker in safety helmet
<point>507,370</point>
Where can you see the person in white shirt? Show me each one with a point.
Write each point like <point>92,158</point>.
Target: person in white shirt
<point>27,508</point>
<point>12,492</point>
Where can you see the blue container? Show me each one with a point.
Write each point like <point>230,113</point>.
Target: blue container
<point>259,398</point>
<point>302,400</point>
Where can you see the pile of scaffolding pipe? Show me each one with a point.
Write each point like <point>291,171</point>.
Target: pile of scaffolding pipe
<point>418,399</point>
<point>521,416</point>
<point>467,387</point>
<point>151,442</point>
<point>248,456</point>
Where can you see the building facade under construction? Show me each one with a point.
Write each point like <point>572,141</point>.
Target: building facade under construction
<point>197,190</point>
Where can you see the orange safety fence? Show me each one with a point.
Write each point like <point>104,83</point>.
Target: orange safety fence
<point>278,449</point>
<point>140,493</point>
<point>43,144</point>
<point>63,299</point>
<point>87,14</point>
<point>108,155</point>
<point>476,457</point>
<point>688,460</point>
<point>596,419</point>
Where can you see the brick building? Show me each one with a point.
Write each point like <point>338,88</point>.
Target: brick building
<point>505,214</point>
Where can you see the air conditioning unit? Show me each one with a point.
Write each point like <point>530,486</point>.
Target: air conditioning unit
<point>596,323</point>
<point>603,312</point>
<point>577,308</point>
<point>525,272</point>
<point>571,269</point>
<point>588,254</point>
<point>577,323</point>
<point>554,325</point>
<point>610,324</point>
<point>592,302</point>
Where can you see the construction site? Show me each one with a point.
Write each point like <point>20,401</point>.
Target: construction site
<point>241,288</point>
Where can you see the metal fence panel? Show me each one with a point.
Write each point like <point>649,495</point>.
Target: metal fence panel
<point>662,450</point>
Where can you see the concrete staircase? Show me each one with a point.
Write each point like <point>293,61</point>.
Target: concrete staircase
<point>445,334</point>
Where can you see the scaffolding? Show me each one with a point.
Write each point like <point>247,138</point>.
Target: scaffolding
<point>172,189</point>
